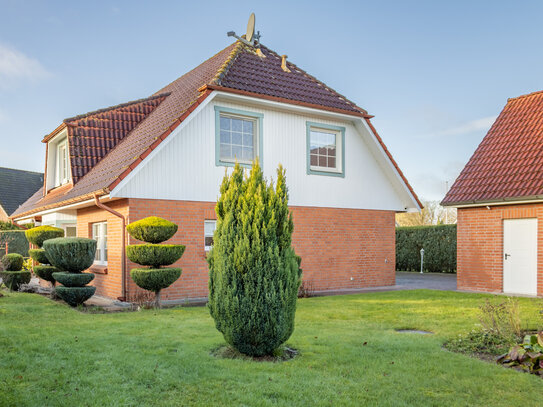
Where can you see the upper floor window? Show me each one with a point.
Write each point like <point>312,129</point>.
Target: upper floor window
<point>62,162</point>
<point>99,233</point>
<point>238,136</point>
<point>325,149</point>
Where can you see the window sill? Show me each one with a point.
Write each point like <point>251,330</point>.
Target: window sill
<point>98,269</point>
<point>243,164</point>
<point>332,173</point>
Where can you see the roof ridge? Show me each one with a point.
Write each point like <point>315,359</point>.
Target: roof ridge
<point>525,95</point>
<point>121,105</point>
<point>314,79</point>
<point>227,63</point>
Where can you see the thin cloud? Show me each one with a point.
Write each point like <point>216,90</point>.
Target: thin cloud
<point>16,66</point>
<point>483,123</point>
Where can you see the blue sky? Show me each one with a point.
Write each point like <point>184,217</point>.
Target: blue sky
<point>434,74</point>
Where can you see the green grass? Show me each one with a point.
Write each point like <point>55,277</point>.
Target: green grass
<point>51,355</point>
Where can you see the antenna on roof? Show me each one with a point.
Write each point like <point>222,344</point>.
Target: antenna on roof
<point>250,38</point>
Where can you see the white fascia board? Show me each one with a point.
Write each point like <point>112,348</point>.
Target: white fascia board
<point>498,203</point>
<point>77,205</point>
<point>165,142</point>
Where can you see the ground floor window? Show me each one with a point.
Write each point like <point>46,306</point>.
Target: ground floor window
<point>99,233</point>
<point>209,230</point>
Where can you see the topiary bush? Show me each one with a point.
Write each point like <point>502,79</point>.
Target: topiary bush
<point>12,276</point>
<point>74,296</point>
<point>155,255</point>
<point>38,235</point>
<point>152,229</point>
<point>254,274</point>
<point>38,255</point>
<point>12,262</point>
<point>45,272</point>
<point>155,278</point>
<point>73,279</point>
<point>72,255</point>
<point>15,279</point>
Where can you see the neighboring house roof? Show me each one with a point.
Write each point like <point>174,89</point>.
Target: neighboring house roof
<point>237,69</point>
<point>16,186</point>
<point>508,164</point>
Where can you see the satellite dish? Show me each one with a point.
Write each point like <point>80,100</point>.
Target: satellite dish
<point>250,28</point>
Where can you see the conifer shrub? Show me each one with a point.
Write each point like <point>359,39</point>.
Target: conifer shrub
<point>155,255</point>
<point>12,262</point>
<point>38,255</point>
<point>45,272</point>
<point>154,230</point>
<point>254,273</point>
<point>72,255</point>
<point>38,235</point>
<point>12,275</point>
<point>73,279</point>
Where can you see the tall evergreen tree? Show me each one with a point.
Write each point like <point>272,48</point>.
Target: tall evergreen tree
<point>253,271</point>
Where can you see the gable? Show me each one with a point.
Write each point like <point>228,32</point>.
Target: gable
<point>185,167</point>
<point>508,164</point>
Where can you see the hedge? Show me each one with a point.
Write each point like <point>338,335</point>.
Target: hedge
<point>152,229</point>
<point>12,262</point>
<point>16,241</point>
<point>439,243</point>
<point>73,254</point>
<point>155,255</point>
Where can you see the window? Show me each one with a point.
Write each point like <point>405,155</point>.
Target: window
<point>325,149</point>
<point>70,230</point>
<point>62,162</point>
<point>238,136</point>
<point>99,233</point>
<point>209,230</point>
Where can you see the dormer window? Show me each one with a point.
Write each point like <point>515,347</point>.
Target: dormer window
<point>62,162</point>
<point>58,162</point>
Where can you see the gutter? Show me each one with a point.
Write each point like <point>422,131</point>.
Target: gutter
<point>123,238</point>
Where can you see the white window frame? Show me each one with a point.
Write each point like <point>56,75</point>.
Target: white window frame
<point>101,242</point>
<point>62,163</point>
<point>339,133</point>
<point>208,233</point>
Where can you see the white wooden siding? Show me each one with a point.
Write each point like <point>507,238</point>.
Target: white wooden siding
<point>184,169</point>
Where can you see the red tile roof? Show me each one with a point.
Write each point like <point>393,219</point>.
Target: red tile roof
<point>237,68</point>
<point>508,164</point>
<point>92,135</point>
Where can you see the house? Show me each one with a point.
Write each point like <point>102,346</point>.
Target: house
<point>499,197</point>
<point>166,155</point>
<point>16,186</point>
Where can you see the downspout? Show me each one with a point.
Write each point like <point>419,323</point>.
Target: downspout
<point>123,238</point>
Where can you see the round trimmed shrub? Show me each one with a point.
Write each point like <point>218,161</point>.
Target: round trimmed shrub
<point>75,295</point>
<point>45,272</point>
<point>73,254</point>
<point>155,255</point>
<point>12,262</point>
<point>14,279</point>
<point>73,279</point>
<point>155,279</point>
<point>38,235</point>
<point>152,229</point>
<point>39,256</point>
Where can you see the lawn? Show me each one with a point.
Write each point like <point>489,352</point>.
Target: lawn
<point>51,355</point>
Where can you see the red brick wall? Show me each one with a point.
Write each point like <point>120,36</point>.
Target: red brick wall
<point>335,245</point>
<point>480,245</point>
<point>107,285</point>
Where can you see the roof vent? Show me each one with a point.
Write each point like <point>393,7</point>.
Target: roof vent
<point>250,38</point>
<point>284,66</point>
